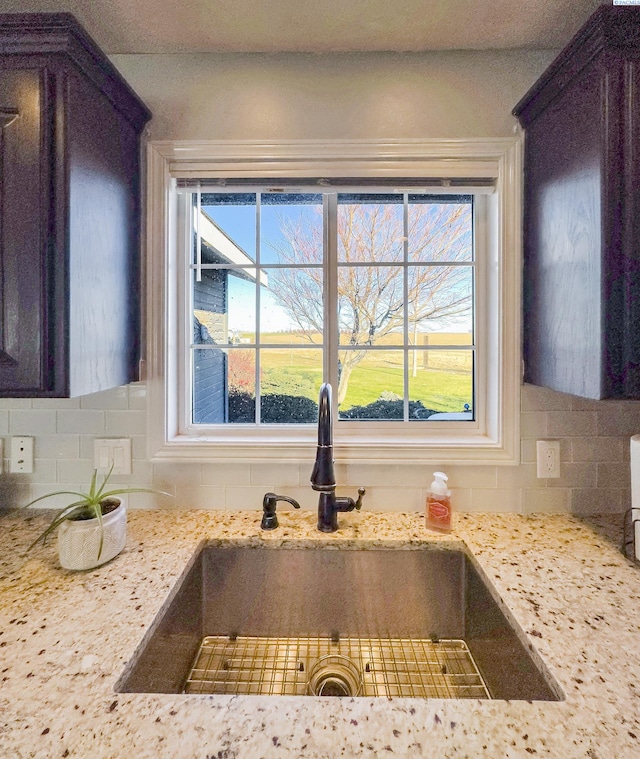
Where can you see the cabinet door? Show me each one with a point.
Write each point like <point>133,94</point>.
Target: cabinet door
<point>563,242</point>
<point>25,139</point>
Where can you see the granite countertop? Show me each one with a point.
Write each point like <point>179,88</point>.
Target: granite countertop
<point>65,638</point>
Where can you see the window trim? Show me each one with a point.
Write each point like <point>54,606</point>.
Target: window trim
<point>493,439</point>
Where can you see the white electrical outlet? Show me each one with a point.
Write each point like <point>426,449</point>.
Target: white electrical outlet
<point>548,455</point>
<point>21,461</point>
<point>116,451</point>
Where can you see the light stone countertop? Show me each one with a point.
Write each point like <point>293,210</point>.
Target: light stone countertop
<point>65,638</point>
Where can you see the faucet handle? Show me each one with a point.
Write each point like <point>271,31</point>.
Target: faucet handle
<point>361,492</point>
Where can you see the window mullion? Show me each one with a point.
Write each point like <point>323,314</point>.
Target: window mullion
<point>258,389</point>
<point>405,279</point>
<point>330,294</point>
<point>185,306</point>
<point>198,236</point>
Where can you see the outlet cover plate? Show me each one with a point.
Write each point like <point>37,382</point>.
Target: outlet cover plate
<point>548,458</point>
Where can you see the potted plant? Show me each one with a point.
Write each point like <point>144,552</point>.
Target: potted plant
<point>93,528</point>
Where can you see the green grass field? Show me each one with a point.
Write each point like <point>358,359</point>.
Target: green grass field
<point>437,389</point>
<point>444,384</point>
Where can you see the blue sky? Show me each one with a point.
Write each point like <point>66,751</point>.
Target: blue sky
<point>239,223</point>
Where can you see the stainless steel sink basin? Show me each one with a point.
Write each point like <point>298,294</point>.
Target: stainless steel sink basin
<point>386,622</point>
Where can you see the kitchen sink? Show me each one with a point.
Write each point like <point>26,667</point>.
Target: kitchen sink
<point>415,622</point>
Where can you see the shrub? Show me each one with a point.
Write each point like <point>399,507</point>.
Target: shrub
<point>275,408</point>
<point>241,369</point>
<point>387,408</point>
<point>279,408</point>
<point>242,407</point>
<point>282,408</point>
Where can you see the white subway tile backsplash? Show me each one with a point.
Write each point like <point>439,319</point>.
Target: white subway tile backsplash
<point>541,399</point>
<point>44,470</point>
<point>59,447</point>
<point>572,423</point>
<point>415,476</point>
<point>495,499</point>
<point>575,475</point>
<point>270,474</point>
<point>547,500</point>
<point>14,494</point>
<point>81,422</point>
<point>225,474</point>
<point>141,476</point>
<point>125,423</point>
<point>193,497</point>
<point>528,450</point>
<point>54,501</point>
<point>116,398</point>
<point>618,419</point>
<point>533,424</point>
<point>595,501</point>
<point>138,396</point>
<point>150,501</point>
<point>372,474</point>
<point>615,476</point>
<point>460,499</point>
<point>523,476</point>
<point>55,403</point>
<point>244,498</point>
<point>389,499</point>
<point>138,447</point>
<point>176,474</point>
<point>17,403</point>
<point>594,454</point>
<point>78,470</point>
<point>471,476</point>
<point>32,421</point>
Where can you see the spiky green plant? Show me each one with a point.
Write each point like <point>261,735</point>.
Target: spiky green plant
<point>88,505</point>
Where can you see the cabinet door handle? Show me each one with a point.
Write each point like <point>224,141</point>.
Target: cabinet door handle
<point>8,116</point>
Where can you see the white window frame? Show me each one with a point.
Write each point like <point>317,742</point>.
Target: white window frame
<point>492,438</point>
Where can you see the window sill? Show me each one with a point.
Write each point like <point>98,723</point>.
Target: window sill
<point>299,446</point>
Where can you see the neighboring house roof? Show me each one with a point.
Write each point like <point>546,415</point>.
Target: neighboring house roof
<point>219,248</point>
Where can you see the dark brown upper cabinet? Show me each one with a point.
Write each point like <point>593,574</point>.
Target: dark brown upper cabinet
<point>69,212</point>
<point>581,325</point>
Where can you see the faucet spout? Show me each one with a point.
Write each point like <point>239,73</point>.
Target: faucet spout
<point>323,478</point>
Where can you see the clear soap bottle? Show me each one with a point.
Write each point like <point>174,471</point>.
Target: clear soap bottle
<point>439,504</point>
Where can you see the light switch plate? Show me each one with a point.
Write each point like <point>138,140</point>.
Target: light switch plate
<point>116,451</point>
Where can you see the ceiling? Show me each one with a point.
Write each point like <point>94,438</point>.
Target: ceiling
<point>319,26</point>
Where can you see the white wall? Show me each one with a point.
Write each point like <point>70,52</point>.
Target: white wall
<point>450,94</point>
<point>466,94</point>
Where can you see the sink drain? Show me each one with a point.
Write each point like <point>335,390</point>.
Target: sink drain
<point>334,675</point>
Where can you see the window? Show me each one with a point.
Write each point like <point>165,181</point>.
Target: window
<point>275,275</point>
<point>401,290</point>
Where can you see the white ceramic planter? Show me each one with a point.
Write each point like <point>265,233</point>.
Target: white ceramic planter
<point>79,542</point>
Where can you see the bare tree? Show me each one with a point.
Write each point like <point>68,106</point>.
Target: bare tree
<point>371,284</point>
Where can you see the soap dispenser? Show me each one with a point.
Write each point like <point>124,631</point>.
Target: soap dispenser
<point>439,504</point>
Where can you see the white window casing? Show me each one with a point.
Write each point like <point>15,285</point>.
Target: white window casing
<point>492,438</point>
